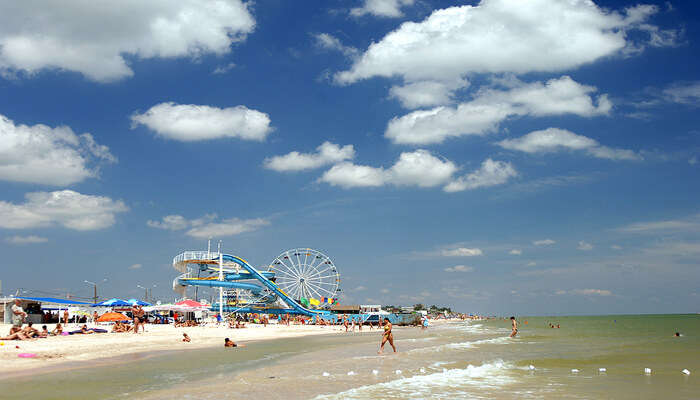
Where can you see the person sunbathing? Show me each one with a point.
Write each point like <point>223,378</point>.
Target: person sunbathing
<point>185,338</point>
<point>58,330</point>
<point>15,336</point>
<point>85,331</point>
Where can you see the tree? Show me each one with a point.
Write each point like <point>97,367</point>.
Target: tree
<point>418,307</point>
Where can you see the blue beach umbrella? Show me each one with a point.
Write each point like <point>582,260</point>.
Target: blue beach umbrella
<point>138,302</point>
<point>112,303</point>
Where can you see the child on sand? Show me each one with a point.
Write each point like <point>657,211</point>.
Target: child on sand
<point>186,338</point>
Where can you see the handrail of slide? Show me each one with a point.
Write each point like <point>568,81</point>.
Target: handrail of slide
<point>270,285</point>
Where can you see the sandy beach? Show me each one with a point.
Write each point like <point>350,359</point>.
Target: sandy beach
<point>54,351</point>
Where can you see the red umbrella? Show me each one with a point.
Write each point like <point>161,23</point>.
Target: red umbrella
<point>190,304</point>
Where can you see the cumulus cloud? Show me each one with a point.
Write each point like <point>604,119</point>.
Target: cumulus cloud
<point>20,240</point>
<point>516,252</point>
<point>417,168</point>
<point>381,8</point>
<point>544,242</point>
<point>459,268</point>
<point>50,156</point>
<point>96,38</point>
<point>584,246</point>
<point>209,225</point>
<point>330,42</point>
<point>490,107</point>
<point>190,122</point>
<point>555,139</point>
<point>426,93</point>
<point>170,222</point>
<point>488,38</point>
<point>326,154</point>
<point>64,208</point>
<point>461,252</point>
<point>491,173</point>
<point>135,266</point>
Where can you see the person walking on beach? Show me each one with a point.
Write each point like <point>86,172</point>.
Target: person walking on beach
<point>18,314</point>
<point>514,330</point>
<point>387,336</point>
<point>65,317</point>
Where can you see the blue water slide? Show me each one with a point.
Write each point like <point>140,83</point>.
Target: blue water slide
<point>244,276</point>
<point>272,286</point>
<point>224,284</point>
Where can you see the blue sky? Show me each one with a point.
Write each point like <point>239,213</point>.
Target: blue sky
<point>502,156</point>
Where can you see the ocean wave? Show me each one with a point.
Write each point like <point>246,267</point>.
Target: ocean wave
<point>488,375</point>
<point>463,345</point>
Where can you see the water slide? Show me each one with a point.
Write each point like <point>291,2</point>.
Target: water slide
<point>209,261</point>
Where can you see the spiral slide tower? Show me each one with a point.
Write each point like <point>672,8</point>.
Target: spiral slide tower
<point>291,278</point>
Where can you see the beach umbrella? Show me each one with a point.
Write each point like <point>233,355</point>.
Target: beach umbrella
<point>138,302</point>
<point>189,304</point>
<point>112,303</point>
<point>112,317</point>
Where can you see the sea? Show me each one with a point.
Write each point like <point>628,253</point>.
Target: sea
<point>588,357</point>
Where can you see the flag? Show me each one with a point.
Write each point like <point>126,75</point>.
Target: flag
<point>314,302</point>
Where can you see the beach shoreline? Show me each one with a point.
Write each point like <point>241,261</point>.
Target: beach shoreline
<point>57,353</point>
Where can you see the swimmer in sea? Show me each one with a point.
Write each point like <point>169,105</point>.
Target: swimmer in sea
<point>229,343</point>
<point>515,327</point>
<point>387,336</point>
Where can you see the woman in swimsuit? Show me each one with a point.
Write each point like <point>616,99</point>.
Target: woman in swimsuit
<point>387,336</point>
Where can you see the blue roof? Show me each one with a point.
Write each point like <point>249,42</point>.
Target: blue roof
<point>52,300</point>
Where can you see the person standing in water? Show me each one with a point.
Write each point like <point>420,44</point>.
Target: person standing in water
<point>387,336</point>
<point>515,327</point>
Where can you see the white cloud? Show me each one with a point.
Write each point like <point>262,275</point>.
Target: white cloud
<point>491,173</point>
<point>96,38</point>
<point>417,168</point>
<point>384,291</point>
<point>544,242</point>
<point>189,122</point>
<point>515,252</point>
<point>690,224</point>
<point>135,266</point>
<point>489,38</point>
<point>462,252</point>
<point>327,153</point>
<point>555,139</point>
<point>50,156</point>
<point>616,247</point>
<point>531,264</point>
<point>459,268</point>
<point>591,292</point>
<point>683,93</point>
<point>584,246</point>
<point>170,222</point>
<point>208,226</point>
<point>381,8</point>
<point>20,240</point>
<point>360,288</point>
<point>222,69</point>
<point>490,107</point>
<point>426,93</point>
<point>330,42</point>
<point>66,208</point>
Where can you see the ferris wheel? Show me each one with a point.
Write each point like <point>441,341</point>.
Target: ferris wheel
<point>306,273</point>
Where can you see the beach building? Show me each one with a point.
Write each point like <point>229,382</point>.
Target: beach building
<point>345,309</point>
<point>36,307</point>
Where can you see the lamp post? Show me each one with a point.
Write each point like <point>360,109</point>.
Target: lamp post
<point>145,298</point>
<point>94,285</point>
